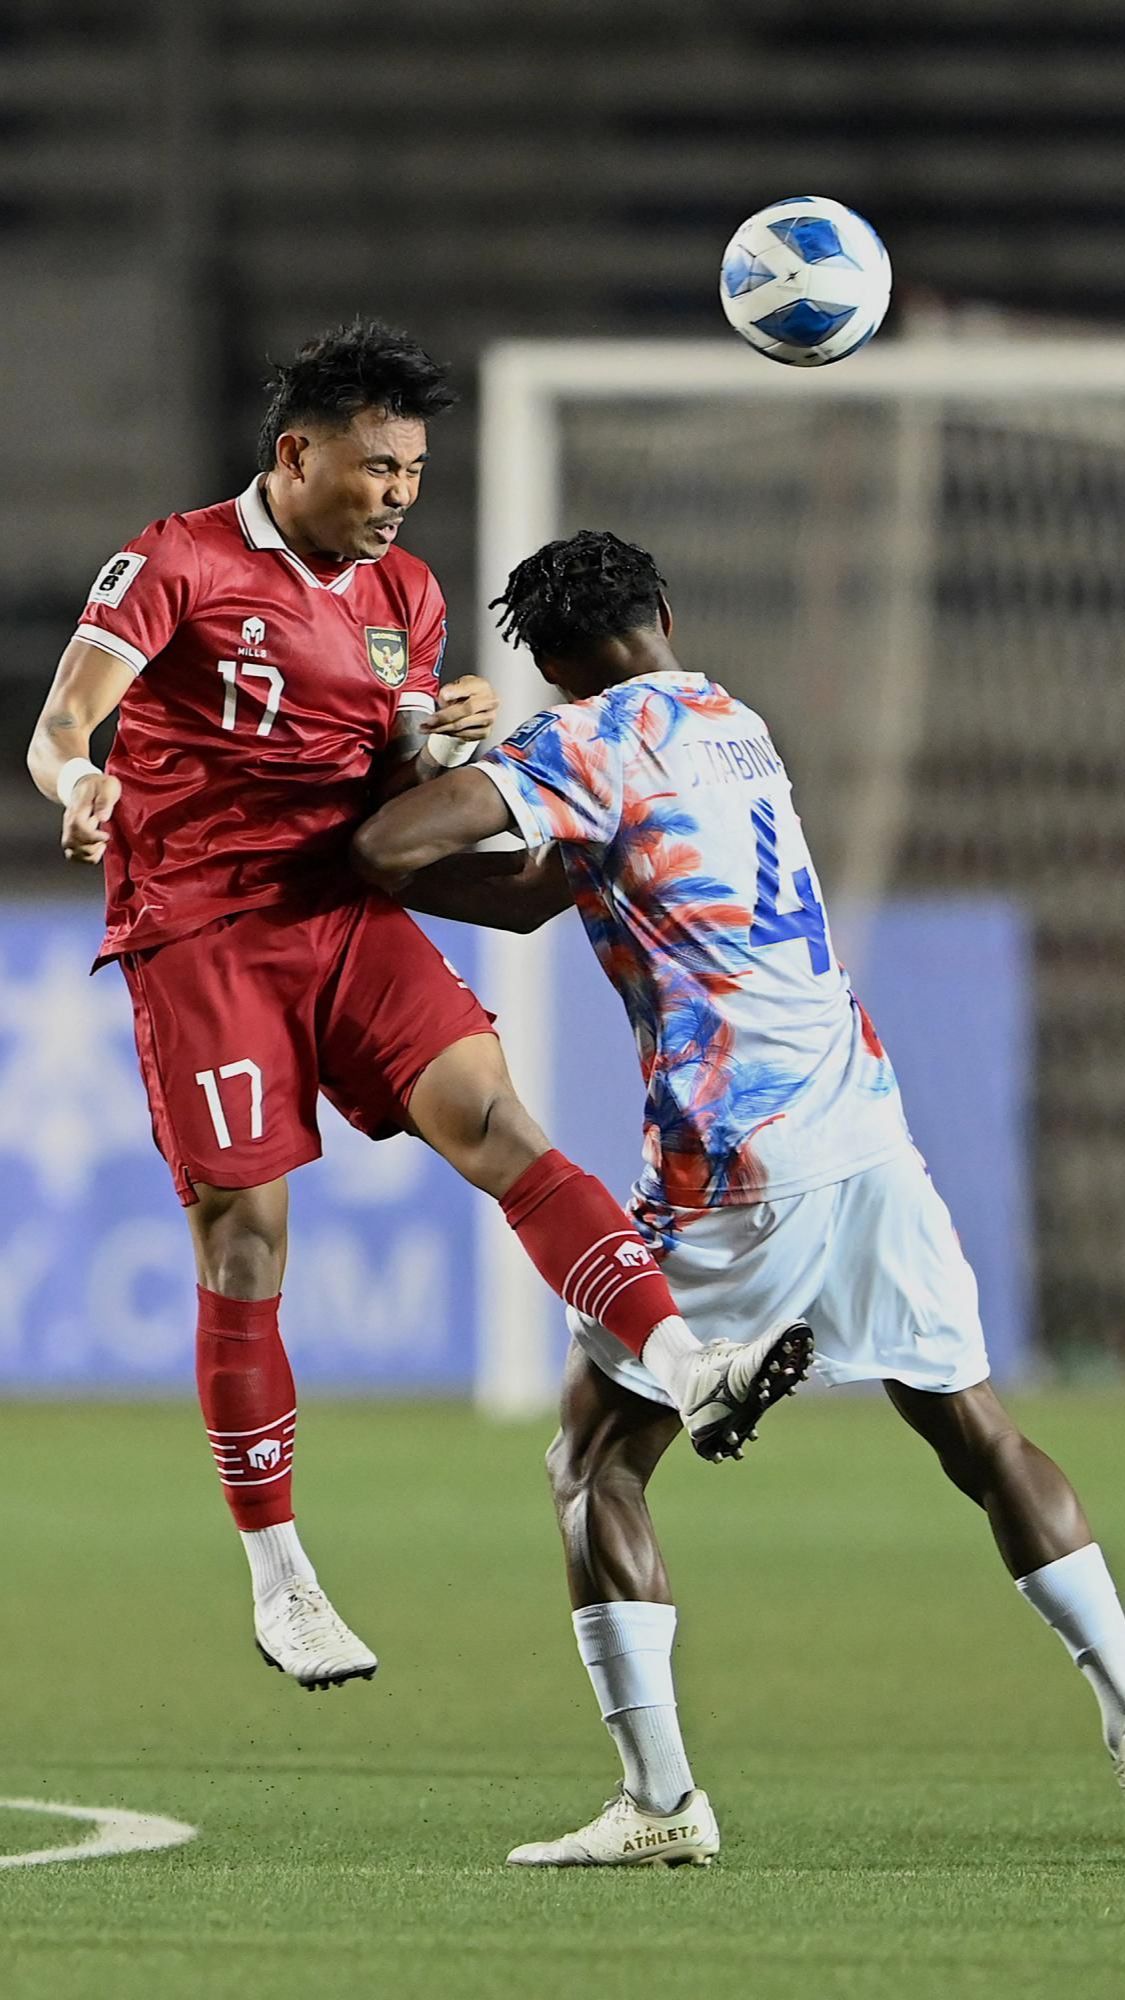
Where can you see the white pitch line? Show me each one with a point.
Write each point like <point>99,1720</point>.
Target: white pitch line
<point>113,1832</point>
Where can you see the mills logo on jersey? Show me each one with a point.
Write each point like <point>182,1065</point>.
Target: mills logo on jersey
<point>690,870</point>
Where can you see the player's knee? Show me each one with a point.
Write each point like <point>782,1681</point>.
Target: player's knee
<point>577,1480</point>
<point>584,1473</point>
<point>464,1105</point>
<point>974,1433</point>
<point>243,1266</point>
<point>978,1424</point>
<point>508,1124</point>
<point>562,1471</point>
<point>240,1250</point>
<point>500,1141</point>
<point>481,1117</point>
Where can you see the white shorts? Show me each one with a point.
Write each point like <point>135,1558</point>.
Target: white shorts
<point>872,1263</point>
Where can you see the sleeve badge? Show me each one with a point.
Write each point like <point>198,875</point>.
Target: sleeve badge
<point>114,578</point>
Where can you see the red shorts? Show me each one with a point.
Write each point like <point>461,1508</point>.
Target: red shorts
<point>240,1025</point>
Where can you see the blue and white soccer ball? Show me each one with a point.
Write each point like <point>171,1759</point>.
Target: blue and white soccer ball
<point>805,281</point>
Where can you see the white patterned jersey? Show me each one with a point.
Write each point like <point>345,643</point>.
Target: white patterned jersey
<point>688,863</point>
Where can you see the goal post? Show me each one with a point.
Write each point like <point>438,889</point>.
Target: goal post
<point>911,564</point>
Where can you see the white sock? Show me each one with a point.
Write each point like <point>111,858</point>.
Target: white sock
<point>1076,1596</point>
<point>667,1354</point>
<point>627,1652</point>
<point>275,1556</point>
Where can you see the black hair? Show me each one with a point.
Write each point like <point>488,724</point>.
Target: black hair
<point>570,594</point>
<point>359,367</point>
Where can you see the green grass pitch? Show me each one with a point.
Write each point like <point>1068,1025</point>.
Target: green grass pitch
<point>908,1774</point>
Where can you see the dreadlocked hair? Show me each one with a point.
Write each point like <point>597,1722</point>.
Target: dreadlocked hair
<point>570,594</point>
<point>350,368</point>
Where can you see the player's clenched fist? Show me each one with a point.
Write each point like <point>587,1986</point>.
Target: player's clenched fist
<point>85,827</point>
<point>466,710</point>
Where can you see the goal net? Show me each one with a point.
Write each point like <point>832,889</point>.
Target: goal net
<point>912,565</point>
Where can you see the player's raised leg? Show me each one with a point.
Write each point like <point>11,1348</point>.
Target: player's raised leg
<point>1040,1529</point>
<point>249,1405</point>
<point>582,1243</point>
<point>599,1465</point>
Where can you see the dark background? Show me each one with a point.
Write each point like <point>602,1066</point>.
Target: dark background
<point>187,187</point>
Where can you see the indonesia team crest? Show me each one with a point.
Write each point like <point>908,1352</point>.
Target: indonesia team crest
<point>388,653</point>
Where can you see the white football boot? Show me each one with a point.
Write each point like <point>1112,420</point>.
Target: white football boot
<point>1119,1764</point>
<point>298,1632</point>
<point>625,1836</point>
<point>732,1384</point>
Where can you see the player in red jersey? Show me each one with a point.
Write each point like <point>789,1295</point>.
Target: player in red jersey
<point>275,660</point>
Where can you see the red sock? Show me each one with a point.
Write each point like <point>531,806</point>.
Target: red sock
<point>587,1249</point>
<point>249,1405</point>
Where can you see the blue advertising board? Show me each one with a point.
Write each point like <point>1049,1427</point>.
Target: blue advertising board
<point>96,1275</point>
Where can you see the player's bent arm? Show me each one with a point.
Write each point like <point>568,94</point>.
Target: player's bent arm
<point>89,684</point>
<point>423,825</point>
<point>425,746</point>
<point>507,889</point>
<point>404,762</point>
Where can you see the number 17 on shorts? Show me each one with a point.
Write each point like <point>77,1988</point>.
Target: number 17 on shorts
<point>208,1081</point>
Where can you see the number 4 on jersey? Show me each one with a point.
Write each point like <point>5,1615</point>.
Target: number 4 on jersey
<point>771,925</point>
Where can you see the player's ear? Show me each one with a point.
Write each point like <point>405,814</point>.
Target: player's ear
<point>666,620</point>
<point>288,451</point>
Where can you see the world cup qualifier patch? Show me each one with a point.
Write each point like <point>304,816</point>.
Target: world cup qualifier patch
<point>529,730</point>
<point>388,653</point>
<point>114,577</point>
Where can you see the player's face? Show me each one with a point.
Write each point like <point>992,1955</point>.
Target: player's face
<point>356,485</point>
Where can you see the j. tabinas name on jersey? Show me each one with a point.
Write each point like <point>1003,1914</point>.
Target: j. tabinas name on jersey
<point>388,653</point>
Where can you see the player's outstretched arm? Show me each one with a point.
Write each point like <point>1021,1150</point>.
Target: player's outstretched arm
<point>88,685</point>
<point>507,889</point>
<point>425,824</point>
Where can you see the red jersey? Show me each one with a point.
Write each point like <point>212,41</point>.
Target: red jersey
<point>266,684</point>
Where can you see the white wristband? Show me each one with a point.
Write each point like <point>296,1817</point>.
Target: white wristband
<point>71,774</point>
<point>448,751</point>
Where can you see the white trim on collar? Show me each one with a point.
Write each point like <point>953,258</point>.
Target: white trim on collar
<point>668,678</point>
<point>256,521</point>
<point>262,532</point>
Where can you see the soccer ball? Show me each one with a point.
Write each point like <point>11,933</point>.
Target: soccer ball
<point>805,281</point>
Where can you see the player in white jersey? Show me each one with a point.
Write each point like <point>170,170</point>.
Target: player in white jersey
<point>779,1180</point>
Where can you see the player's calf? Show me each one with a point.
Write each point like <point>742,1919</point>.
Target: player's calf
<point>249,1405</point>
<point>1040,1529</point>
